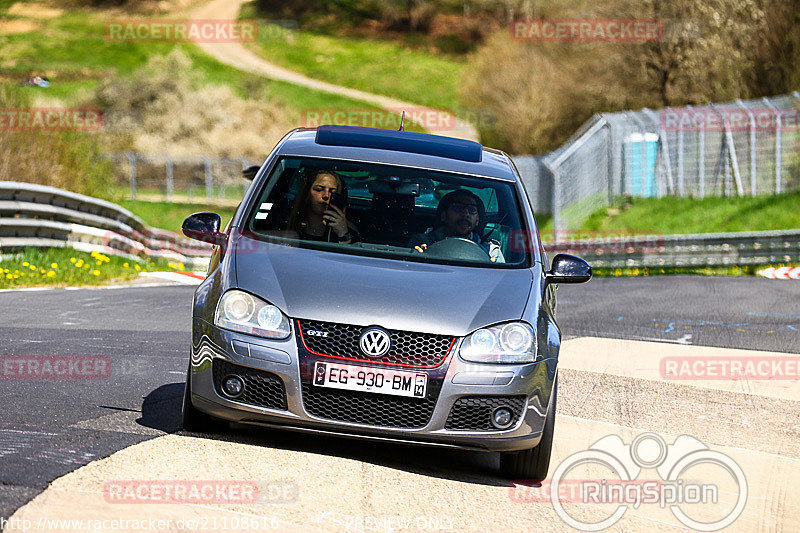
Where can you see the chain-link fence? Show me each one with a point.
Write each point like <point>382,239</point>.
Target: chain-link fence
<point>181,179</point>
<point>740,148</point>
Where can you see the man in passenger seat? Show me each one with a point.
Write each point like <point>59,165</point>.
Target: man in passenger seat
<point>460,214</point>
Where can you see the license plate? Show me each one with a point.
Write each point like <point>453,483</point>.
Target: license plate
<point>370,379</point>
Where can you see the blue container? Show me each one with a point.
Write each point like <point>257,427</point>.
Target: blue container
<point>642,170</point>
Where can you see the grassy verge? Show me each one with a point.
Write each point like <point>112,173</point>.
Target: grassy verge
<point>170,215</point>
<point>380,67</point>
<point>746,270</point>
<point>66,267</point>
<point>693,215</point>
<point>670,216</point>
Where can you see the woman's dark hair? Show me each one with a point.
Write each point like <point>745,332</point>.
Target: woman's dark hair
<point>299,212</point>
<point>449,198</point>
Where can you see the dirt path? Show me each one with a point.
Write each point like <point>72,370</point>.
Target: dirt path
<point>236,55</point>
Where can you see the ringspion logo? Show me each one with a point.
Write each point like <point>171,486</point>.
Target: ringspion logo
<point>616,483</point>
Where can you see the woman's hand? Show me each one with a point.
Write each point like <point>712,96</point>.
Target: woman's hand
<point>334,218</point>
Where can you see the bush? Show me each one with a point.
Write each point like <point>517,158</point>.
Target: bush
<point>65,159</point>
<point>162,107</point>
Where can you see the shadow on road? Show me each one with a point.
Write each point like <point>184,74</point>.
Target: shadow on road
<point>161,409</point>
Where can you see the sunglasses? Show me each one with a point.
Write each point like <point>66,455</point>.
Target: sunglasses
<point>460,207</point>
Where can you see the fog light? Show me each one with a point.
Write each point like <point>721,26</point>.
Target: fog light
<point>232,386</point>
<point>502,417</point>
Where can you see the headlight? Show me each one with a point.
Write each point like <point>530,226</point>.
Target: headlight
<point>240,311</point>
<point>514,342</point>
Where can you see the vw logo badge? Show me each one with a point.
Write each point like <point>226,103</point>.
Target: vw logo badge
<point>375,342</point>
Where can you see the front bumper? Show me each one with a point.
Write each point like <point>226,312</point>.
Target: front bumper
<point>454,380</point>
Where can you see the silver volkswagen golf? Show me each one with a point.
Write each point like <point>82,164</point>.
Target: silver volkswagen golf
<point>382,285</point>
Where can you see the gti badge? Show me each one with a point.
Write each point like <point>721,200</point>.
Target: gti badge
<point>375,342</point>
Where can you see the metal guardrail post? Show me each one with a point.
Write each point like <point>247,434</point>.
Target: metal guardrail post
<point>132,173</point>
<point>753,176</point>
<point>731,159</point>
<point>170,184</point>
<point>681,175</point>
<point>209,178</point>
<point>778,145</point>
<point>701,158</point>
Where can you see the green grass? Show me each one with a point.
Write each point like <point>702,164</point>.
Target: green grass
<point>55,267</point>
<point>170,215</point>
<point>671,215</point>
<point>72,48</point>
<point>381,67</point>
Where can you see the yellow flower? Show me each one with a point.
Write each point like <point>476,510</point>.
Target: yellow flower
<point>51,274</point>
<point>25,263</point>
<point>9,276</point>
<point>72,259</point>
<point>53,265</point>
<point>181,267</point>
<point>32,267</point>
<point>86,265</point>
<point>99,263</point>
<point>125,265</point>
<point>79,263</point>
<point>16,276</point>
<point>137,267</point>
<point>96,272</point>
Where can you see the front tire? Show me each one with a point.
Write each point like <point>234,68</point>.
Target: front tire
<point>532,464</point>
<point>193,419</point>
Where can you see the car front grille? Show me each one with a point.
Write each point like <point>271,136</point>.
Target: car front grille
<point>421,350</point>
<point>262,389</point>
<point>474,413</point>
<point>368,408</point>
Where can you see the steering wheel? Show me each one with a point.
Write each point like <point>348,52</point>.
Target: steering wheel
<point>457,248</point>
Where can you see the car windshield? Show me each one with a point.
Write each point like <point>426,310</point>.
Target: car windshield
<point>391,212</point>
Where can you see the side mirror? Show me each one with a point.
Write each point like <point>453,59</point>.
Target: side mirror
<point>567,268</point>
<point>204,227</point>
<point>250,172</point>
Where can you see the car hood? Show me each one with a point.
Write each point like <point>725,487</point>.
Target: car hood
<point>395,294</point>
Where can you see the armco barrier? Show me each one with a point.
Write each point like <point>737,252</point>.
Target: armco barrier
<point>42,216</point>
<point>713,249</point>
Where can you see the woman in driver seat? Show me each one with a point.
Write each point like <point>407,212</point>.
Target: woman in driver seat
<point>460,214</point>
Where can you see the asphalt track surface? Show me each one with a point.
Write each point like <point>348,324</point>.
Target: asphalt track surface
<point>51,427</point>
